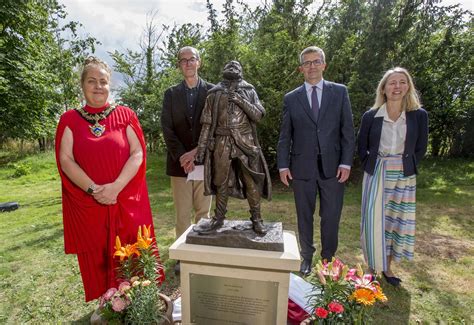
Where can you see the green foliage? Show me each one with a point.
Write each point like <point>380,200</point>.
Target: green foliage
<point>146,306</point>
<point>362,39</point>
<point>146,77</point>
<point>20,169</point>
<point>184,35</point>
<point>37,68</point>
<point>40,51</point>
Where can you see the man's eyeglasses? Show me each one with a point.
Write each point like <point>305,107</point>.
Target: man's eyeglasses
<point>316,63</point>
<point>183,61</point>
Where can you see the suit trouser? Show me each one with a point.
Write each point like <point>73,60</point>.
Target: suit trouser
<point>189,196</point>
<point>331,194</point>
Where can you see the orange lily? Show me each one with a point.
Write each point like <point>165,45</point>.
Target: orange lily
<point>144,241</point>
<point>126,251</point>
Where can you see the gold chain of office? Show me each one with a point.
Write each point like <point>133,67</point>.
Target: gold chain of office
<point>96,128</point>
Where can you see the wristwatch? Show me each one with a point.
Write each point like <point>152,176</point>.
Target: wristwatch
<point>91,189</point>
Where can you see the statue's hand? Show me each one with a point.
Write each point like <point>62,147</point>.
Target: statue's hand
<point>235,98</point>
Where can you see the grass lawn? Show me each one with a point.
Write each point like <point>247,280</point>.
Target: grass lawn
<point>40,284</point>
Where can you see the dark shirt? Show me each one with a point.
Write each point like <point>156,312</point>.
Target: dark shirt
<point>191,97</point>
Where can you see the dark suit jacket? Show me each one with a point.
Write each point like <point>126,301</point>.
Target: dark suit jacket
<point>181,133</point>
<point>416,140</point>
<point>302,138</point>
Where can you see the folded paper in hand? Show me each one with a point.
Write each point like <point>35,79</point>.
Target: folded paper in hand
<point>197,174</point>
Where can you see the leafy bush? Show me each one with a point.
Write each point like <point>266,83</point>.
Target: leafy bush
<point>20,169</point>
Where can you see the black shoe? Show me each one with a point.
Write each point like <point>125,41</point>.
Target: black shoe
<point>258,227</point>
<point>392,280</point>
<point>305,268</point>
<point>177,268</point>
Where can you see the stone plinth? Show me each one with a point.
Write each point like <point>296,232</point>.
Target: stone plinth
<point>226,285</point>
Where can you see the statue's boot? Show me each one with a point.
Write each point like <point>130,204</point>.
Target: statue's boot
<point>214,224</point>
<point>257,222</point>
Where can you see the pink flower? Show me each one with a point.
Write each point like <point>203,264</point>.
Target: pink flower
<point>321,277</point>
<point>366,281</point>
<point>351,275</point>
<point>124,287</point>
<point>101,302</point>
<point>109,294</point>
<point>336,307</point>
<point>119,304</point>
<point>321,312</point>
<point>333,269</point>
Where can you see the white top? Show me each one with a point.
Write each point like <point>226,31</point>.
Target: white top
<point>392,139</point>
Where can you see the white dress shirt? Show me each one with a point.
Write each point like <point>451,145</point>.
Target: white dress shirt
<point>392,139</point>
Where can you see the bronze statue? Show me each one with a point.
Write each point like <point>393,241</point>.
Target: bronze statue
<point>234,164</point>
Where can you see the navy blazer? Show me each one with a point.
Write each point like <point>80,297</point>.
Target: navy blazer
<point>303,138</point>
<point>416,140</point>
<point>181,133</point>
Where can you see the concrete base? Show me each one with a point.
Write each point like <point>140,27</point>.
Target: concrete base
<point>236,270</point>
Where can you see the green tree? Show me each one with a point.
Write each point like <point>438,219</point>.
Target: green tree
<point>180,36</point>
<point>362,39</point>
<point>36,67</point>
<point>271,60</point>
<point>142,72</point>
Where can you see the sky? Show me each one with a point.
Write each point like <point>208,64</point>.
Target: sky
<point>118,24</point>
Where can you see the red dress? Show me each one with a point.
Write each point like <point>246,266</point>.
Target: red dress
<point>90,227</point>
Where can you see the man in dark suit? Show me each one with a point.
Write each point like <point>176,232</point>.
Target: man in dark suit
<point>180,121</point>
<point>315,152</point>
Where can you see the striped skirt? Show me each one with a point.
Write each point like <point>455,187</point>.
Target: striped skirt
<point>388,213</point>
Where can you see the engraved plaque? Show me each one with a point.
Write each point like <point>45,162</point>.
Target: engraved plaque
<point>217,300</point>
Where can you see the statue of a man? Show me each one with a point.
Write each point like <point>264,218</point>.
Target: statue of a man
<point>233,160</point>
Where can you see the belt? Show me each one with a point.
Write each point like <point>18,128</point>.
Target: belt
<point>227,130</point>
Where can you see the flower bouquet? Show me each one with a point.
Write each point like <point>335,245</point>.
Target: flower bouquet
<point>342,295</point>
<point>137,298</point>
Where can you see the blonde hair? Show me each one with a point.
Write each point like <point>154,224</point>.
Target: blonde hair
<point>93,61</point>
<point>411,100</point>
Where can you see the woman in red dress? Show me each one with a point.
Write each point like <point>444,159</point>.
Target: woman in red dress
<point>100,152</point>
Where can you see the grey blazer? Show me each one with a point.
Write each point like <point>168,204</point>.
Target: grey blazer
<point>303,139</point>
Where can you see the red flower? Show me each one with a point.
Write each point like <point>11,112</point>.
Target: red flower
<point>336,307</point>
<point>321,312</point>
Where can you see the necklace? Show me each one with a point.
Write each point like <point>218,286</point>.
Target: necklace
<point>96,128</point>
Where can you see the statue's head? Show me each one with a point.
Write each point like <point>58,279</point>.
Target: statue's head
<point>232,71</point>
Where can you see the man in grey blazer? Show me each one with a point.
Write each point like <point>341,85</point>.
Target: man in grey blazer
<point>315,152</point>
<point>180,121</point>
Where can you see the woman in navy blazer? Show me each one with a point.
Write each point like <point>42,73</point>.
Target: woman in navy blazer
<point>392,139</point>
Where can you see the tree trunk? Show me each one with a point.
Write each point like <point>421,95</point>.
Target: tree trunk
<point>42,144</point>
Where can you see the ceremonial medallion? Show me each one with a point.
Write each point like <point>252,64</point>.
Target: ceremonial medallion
<point>94,118</point>
<point>97,129</point>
